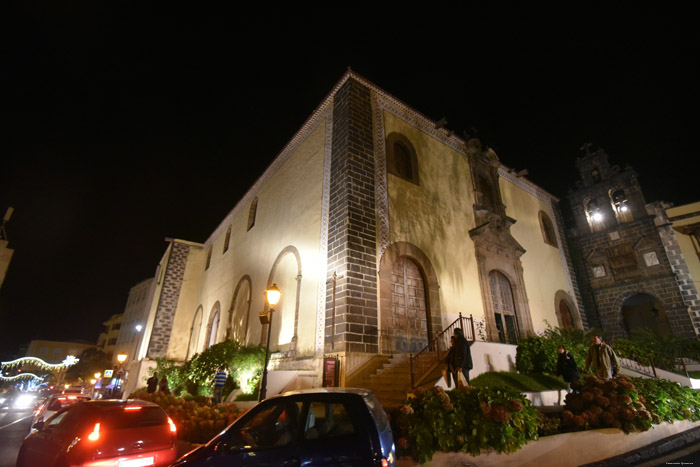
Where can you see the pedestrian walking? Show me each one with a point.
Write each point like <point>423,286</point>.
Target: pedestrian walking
<point>603,359</point>
<point>566,367</point>
<point>152,383</point>
<point>461,357</point>
<point>219,381</point>
<point>163,385</point>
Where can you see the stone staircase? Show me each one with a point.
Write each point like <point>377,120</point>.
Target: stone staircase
<point>391,382</point>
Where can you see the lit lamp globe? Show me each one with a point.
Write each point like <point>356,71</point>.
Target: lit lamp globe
<point>121,358</point>
<point>273,295</point>
<point>97,375</point>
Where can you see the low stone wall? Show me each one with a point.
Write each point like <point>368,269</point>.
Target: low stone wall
<point>563,450</point>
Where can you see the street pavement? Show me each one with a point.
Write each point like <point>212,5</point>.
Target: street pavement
<point>14,426</point>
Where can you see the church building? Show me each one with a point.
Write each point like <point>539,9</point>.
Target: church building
<point>636,261</point>
<point>380,227</point>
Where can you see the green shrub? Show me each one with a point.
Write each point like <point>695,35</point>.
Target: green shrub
<point>538,354</point>
<point>470,420</point>
<point>668,401</point>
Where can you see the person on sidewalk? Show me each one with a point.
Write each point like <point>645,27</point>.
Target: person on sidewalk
<point>152,383</point>
<point>219,381</point>
<point>603,358</point>
<point>163,385</point>
<point>461,357</point>
<point>566,367</point>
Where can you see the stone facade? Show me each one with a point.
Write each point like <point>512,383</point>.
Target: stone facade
<point>627,257</point>
<point>352,232</point>
<point>168,301</point>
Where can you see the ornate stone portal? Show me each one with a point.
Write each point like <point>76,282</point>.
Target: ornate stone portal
<point>498,254</point>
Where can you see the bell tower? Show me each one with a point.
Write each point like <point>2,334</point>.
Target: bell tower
<point>627,279</point>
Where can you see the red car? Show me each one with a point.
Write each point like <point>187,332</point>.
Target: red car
<point>102,433</point>
<point>53,404</point>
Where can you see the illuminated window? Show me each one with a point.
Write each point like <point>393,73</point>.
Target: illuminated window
<point>599,271</point>
<point>595,215</point>
<point>618,198</point>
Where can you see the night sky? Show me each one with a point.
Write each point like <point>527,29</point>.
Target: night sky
<point>125,125</point>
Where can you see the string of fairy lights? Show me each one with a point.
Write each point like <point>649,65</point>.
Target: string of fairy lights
<point>70,360</point>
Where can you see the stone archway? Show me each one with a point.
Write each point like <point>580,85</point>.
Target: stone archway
<point>567,314</point>
<point>290,299</point>
<point>239,312</point>
<point>213,326</point>
<point>409,318</point>
<point>644,312</point>
<point>194,332</point>
<point>409,299</point>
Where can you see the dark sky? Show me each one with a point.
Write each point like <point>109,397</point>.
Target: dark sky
<point>126,125</point>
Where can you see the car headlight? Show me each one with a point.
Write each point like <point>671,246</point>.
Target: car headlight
<point>24,401</point>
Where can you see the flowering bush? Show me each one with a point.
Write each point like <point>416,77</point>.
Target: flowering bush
<point>601,403</point>
<point>470,420</point>
<point>197,420</point>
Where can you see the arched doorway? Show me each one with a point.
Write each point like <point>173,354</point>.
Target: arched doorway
<point>237,328</point>
<point>642,311</point>
<point>503,308</point>
<point>409,314</point>
<point>566,321</point>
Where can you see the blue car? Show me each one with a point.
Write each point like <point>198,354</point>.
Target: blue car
<point>311,427</point>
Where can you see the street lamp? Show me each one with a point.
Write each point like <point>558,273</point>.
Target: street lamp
<point>273,296</point>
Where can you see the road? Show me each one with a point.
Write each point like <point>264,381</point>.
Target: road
<point>14,426</point>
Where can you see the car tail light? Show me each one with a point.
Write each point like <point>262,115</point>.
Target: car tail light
<point>72,397</point>
<point>95,435</point>
<point>173,428</point>
<point>133,407</point>
<point>385,463</point>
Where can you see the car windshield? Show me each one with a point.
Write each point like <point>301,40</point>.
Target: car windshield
<point>64,401</point>
<point>377,412</point>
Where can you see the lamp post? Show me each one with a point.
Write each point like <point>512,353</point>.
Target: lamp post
<point>273,296</point>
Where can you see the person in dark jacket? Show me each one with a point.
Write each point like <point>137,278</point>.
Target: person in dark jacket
<point>163,385</point>
<point>566,367</point>
<point>152,383</point>
<point>461,356</point>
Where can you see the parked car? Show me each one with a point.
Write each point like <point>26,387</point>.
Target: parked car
<point>312,427</point>
<point>53,404</point>
<point>102,433</point>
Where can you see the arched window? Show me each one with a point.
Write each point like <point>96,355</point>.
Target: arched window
<point>252,213</point>
<point>620,205</point>
<point>208,259</point>
<point>401,159</point>
<point>227,239</point>
<point>548,233</point>
<point>594,213</point>
<point>213,326</point>
<point>503,308</point>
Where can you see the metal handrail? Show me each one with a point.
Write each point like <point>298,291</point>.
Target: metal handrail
<point>430,355</point>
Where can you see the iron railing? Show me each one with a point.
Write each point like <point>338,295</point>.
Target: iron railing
<point>425,360</point>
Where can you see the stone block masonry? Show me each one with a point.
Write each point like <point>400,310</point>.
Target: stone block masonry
<point>167,302</point>
<point>352,228</point>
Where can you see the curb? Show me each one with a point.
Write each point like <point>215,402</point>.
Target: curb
<point>655,450</point>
